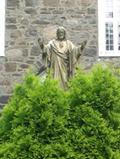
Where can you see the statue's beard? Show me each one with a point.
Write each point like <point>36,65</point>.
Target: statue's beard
<point>61,38</point>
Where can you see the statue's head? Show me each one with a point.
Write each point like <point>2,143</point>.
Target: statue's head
<point>61,33</point>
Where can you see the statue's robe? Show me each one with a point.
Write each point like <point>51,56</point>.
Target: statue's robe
<point>61,58</point>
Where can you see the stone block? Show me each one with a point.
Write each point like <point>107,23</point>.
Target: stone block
<point>85,3</point>
<point>24,21</point>
<point>21,42</point>
<point>50,31</point>
<point>4,99</point>
<point>90,52</point>
<point>14,55</point>
<point>17,75</point>
<point>31,3</point>
<point>10,20</point>
<point>52,3</point>
<point>25,52</point>
<point>16,34</point>
<point>10,67</point>
<point>91,11</point>
<point>1,67</point>
<point>31,32</point>
<point>4,81</point>
<point>57,12</point>
<point>68,3</point>
<point>12,3</point>
<point>24,66</point>
<point>30,62</point>
<point>35,51</point>
<point>31,11</point>
<point>11,27</point>
<point>41,21</point>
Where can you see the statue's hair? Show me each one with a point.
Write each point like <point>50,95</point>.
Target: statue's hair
<point>61,28</point>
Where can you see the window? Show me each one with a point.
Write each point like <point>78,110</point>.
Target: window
<point>2,27</point>
<point>109,27</point>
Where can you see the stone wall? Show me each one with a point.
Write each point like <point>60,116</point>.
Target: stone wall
<point>26,20</point>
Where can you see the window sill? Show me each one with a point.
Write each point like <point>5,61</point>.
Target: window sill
<point>110,55</point>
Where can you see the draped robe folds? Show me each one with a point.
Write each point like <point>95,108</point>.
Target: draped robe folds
<point>61,58</point>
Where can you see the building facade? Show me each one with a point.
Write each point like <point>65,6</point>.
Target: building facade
<point>26,20</point>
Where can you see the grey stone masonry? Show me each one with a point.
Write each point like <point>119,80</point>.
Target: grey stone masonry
<point>26,20</point>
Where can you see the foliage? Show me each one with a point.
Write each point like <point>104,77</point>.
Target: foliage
<point>95,113</point>
<point>42,121</point>
<point>32,124</point>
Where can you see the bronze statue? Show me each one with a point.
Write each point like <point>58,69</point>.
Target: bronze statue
<point>61,56</point>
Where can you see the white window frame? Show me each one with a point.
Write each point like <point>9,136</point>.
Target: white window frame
<point>2,27</point>
<point>101,29</point>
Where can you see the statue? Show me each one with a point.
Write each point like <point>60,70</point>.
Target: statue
<point>61,56</point>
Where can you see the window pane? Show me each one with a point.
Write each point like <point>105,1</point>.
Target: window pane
<point>118,7</point>
<point>107,47</point>
<point>109,8</point>
<point>109,36</point>
<point>111,47</point>
<point>107,41</point>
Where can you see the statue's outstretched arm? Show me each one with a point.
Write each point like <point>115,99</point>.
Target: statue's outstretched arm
<point>43,48</point>
<point>41,43</point>
<point>80,49</point>
<point>83,44</point>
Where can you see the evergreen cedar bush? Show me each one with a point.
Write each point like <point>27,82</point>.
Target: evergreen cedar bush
<point>41,121</point>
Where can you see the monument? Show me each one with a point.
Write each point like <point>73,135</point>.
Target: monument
<point>61,56</point>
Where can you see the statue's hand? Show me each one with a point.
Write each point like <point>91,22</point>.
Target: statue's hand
<point>41,42</point>
<point>83,44</point>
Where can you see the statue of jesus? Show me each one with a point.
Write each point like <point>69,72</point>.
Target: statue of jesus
<point>61,56</point>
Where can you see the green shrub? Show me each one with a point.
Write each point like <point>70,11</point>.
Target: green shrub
<point>32,124</point>
<point>95,113</point>
<point>42,121</point>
